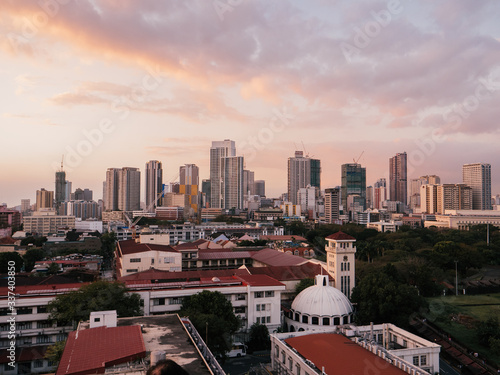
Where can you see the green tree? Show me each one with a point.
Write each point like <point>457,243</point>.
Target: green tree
<point>72,235</point>
<point>54,352</point>
<point>487,330</point>
<point>108,244</point>
<point>382,298</point>
<point>259,338</point>
<point>36,241</point>
<point>10,256</point>
<point>53,269</point>
<point>98,296</point>
<point>31,257</point>
<point>303,284</point>
<point>213,312</point>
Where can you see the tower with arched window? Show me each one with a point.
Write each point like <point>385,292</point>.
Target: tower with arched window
<point>340,257</point>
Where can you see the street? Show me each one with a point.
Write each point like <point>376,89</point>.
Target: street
<point>244,365</point>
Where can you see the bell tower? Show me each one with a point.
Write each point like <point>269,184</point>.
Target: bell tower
<point>340,259</point>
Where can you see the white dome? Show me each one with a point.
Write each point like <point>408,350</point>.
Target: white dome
<point>322,300</point>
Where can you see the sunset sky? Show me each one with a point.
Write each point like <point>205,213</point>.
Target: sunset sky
<point>115,83</point>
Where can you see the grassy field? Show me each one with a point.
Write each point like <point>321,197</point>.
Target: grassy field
<point>458,315</point>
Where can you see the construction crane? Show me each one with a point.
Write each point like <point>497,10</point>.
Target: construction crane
<point>356,161</point>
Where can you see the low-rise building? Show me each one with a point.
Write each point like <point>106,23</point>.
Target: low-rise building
<point>45,222</point>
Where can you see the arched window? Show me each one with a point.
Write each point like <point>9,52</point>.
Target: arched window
<point>305,319</point>
<point>336,321</point>
<point>315,320</point>
<point>326,321</point>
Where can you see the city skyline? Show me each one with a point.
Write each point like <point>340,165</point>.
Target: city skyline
<point>112,86</point>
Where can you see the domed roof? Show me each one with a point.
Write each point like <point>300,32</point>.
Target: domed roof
<point>322,300</point>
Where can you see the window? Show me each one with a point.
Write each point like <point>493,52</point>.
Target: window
<point>158,301</point>
<point>169,260</point>
<point>277,351</point>
<point>270,293</point>
<point>290,363</point>
<point>315,320</point>
<point>305,319</point>
<point>341,266</point>
<point>41,309</point>
<point>7,367</point>
<point>297,368</point>
<point>258,320</point>
<point>423,360</point>
<point>405,343</point>
<point>241,297</point>
<point>296,317</point>
<point>259,294</point>
<point>175,301</point>
<point>326,321</point>
<point>132,270</point>
<point>415,360</point>
<point>152,260</point>
<point>263,307</point>
<point>37,363</point>
<point>23,325</point>
<point>239,310</point>
<point>61,337</point>
<point>283,356</point>
<point>44,324</point>
<point>42,339</point>
<point>24,310</point>
<point>258,307</point>
<point>268,319</point>
<point>3,312</point>
<point>135,260</point>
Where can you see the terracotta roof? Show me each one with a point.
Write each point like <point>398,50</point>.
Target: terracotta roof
<point>7,241</point>
<point>90,351</point>
<point>154,274</point>
<point>289,273</point>
<point>340,236</point>
<point>259,280</point>
<point>339,355</point>
<point>285,237</point>
<point>273,257</point>
<point>209,255</point>
<point>132,247</point>
<point>25,354</point>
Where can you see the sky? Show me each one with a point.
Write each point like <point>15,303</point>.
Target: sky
<point>116,83</point>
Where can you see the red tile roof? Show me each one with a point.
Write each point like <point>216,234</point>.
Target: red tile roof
<point>154,274</point>
<point>340,236</point>
<point>339,355</point>
<point>259,280</point>
<point>273,257</point>
<point>289,273</point>
<point>132,247</point>
<point>7,241</point>
<point>285,237</point>
<point>90,351</point>
<point>227,254</point>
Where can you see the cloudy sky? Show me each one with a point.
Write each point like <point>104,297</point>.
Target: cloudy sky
<point>114,83</point>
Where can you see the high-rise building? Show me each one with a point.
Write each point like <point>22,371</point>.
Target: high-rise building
<point>260,188</point>
<point>67,191</point>
<point>398,185</point>
<point>332,205</point>
<point>353,183</point>
<point>302,171</point>
<point>25,205</point>
<point>219,150</point>
<point>154,183</point>
<point>307,200</point>
<point>232,182</point>
<point>415,185</point>
<point>60,184</point>
<point>478,177</point>
<point>44,199</point>
<point>428,199</point>
<point>205,189</point>
<point>82,195</point>
<point>248,182</point>
<point>369,197</point>
<point>189,186</point>
<point>123,189</point>
<point>453,197</point>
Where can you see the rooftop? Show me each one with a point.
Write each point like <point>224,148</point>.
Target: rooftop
<point>92,350</point>
<point>132,247</point>
<point>284,237</point>
<point>340,236</point>
<point>272,257</point>
<point>339,355</point>
<point>286,273</point>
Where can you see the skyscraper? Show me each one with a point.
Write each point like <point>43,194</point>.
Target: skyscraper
<point>453,197</point>
<point>302,171</point>
<point>189,186</point>
<point>232,182</point>
<point>332,205</point>
<point>219,150</point>
<point>478,177</point>
<point>60,185</point>
<point>260,188</point>
<point>154,183</point>
<point>398,185</point>
<point>353,183</point>
<point>248,182</point>
<point>123,189</point>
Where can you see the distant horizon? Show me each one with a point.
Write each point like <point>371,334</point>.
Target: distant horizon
<point>115,84</point>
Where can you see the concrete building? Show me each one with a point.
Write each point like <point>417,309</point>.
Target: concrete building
<point>332,205</point>
<point>415,186</point>
<point>46,222</point>
<point>398,183</point>
<point>232,182</point>
<point>340,260</point>
<point>478,177</point>
<point>122,189</point>
<point>428,199</point>
<point>353,183</point>
<point>219,150</point>
<point>248,182</point>
<point>454,197</point>
<point>44,199</point>
<point>260,188</point>
<point>306,198</point>
<point>82,209</point>
<point>189,186</point>
<point>60,188</point>
<point>302,171</point>
<point>154,184</point>
<point>463,219</point>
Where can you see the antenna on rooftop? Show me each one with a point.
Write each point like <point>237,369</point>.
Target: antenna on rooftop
<point>62,161</point>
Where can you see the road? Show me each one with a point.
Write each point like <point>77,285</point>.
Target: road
<point>446,369</point>
<point>243,365</point>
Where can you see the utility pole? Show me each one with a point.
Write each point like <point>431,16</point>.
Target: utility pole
<point>456,278</point>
